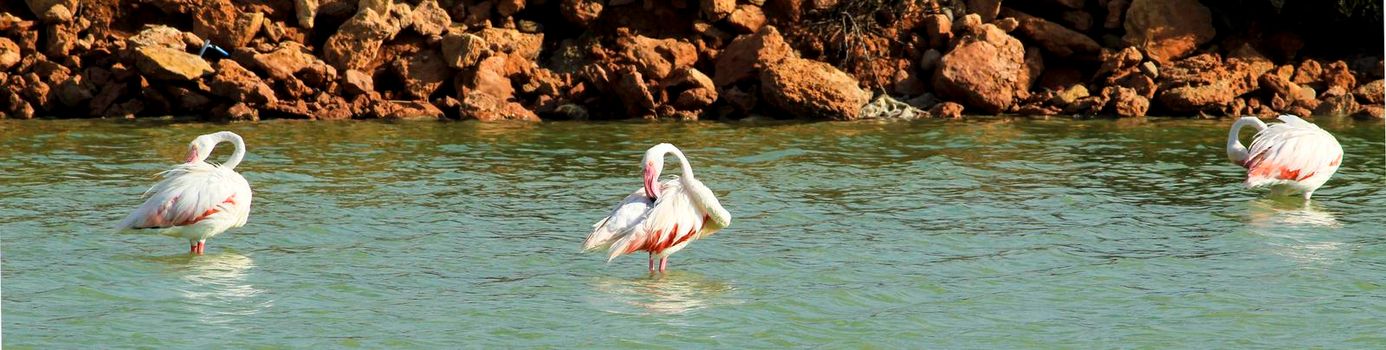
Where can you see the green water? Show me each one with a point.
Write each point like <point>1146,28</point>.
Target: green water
<point>978,234</point>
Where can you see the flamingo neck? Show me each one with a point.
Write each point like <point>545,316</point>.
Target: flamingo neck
<point>236,156</point>
<point>1236,152</point>
<point>687,170</point>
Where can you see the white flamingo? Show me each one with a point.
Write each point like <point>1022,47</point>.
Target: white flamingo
<point>1294,155</point>
<point>660,218</point>
<point>196,200</point>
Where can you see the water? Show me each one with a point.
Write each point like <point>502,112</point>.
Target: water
<point>980,234</point>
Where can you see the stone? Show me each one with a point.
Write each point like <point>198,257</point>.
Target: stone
<point>698,90</point>
<point>507,8</point>
<point>581,12</point>
<point>1115,8</point>
<point>1372,93</point>
<point>239,84</point>
<point>1008,24</point>
<point>160,62</point>
<point>1336,74</point>
<point>490,78</point>
<point>287,59</point>
<point>463,50</point>
<point>1053,37</point>
<point>1167,30</point>
<point>485,107</point>
<point>929,60</point>
<point>53,11</point>
<point>1070,95</point>
<point>9,54</point>
<point>1337,106</point>
<point>987,9</point>
<point>241,111</point>
<point>305,11</point>
<point>220,22</point>
<point>74,92</point>
<point>357,41</point>
<point>1078,20</point>
<point>429,19</point>
<point>971,24</point>
<point>747,19</point>
<point>807,88</point>
<point>715,10</point>
<point>748,54</point>
<point>513,41</point>
<point>61,38</point>
<point>380,7</point>
<point>1126,103</point>
<point>1370,113</point>
<point>408,110</point>
<point>987,72</point>
<point>938,28</point>
<point>949,110</point>
<point>1309,71</point>
<point>656,58</point>
<point>423,73</point>
<point>354,82</point>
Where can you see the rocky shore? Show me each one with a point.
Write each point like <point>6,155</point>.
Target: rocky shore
<point>677,59</point>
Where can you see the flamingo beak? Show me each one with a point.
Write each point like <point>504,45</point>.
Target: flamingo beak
<point>650,184</point>
<point>192,155</point>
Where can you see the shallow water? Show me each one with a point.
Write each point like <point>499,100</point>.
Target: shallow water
<point>989,233</point>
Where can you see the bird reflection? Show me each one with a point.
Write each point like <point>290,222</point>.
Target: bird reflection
<point>214,286</point>
<point>1282,211</point>
<point>1285,218</point>
<point>668,293</point>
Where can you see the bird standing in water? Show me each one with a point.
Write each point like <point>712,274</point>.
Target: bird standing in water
<point>660,218</point>
<point>1292,156</point>
<point>196,200</point>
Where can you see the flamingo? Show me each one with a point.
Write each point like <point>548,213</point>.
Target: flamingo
<point>660,218</point>
<point>1293,155</point>
<point>196,200</point>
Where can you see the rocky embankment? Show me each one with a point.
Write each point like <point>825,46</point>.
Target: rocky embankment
<point>678,59</point>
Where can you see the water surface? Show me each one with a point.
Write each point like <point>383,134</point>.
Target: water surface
<point>1002,233</point>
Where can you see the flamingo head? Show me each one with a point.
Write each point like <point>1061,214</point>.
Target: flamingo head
<point>200,148</point>
<point>654,164</point>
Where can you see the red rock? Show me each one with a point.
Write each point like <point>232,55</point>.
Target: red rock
<point>513,41</point>
<point>168,64</point>
<point>747,18</point>
<point>749,54</point>
<point>987,72</point>
<point>939,29</point>
<point>305,11</point>
<point>355,82</point>
<point>430,19</point>
<point>1034,67</point>
<point>62,37</point>
<point>1008,24</point>
<point>948,110</point>
<point>219,21</point>
<point>656,58</point>
<point>987,9</point>
<point>1308,72</point>
<point>1338,75</point>
<point>462,50</point>
<point>487,108</point>
<point>423,73</point>
<point>1126,102</point>
<point>630,87</point>
<point>1370,112</point>
<point>698,90</point>
<point>489,77</point>
<point>1115,8</point>
<point>1337,106</point>
<point>411,110</point>
<point>581,12</point>
<point>1117,61</point>
<point>812,89</point>
<point>507,8</point>
<point>357,41</point>
<point>717,9</point>
<point>1372,93</point>
<point>74,92</point>
<point>1054,38</point>
<point>238,84</point>
<point>1168,29</point>
<point>285,60</point>
<point>971,24</point>
<point>9,54</point>
<point>1279,85</point>
<point>53,11</point>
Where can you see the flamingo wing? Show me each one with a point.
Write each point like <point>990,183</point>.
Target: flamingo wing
<point>1291,151</point>
<point>672,221</point>
<point>623,219</point>
<point>190,193</point>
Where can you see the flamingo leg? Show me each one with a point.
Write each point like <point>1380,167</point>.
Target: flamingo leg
<point>652,263</point>
<point>662,263</point>
<point>193,248</point>
<point>201,247</point>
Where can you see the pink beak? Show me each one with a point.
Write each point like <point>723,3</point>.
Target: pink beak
<point>192,155</point>
<point>650,184</point>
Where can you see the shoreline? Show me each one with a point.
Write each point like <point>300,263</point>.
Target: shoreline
<point>681,60</point>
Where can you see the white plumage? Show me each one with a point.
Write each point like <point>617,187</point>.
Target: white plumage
<point>1294,154</point>
<point>196,200</point>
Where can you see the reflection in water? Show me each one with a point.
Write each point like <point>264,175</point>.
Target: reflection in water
<point>215,286</point>
<point>670,293</point>
<point>1292,211</point>
<point>1276,217</point>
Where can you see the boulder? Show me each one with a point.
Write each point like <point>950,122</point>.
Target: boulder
<point>807,88</point>
<point>160,62</point>
<point>513,41</point>
<point>9,54</point>
<point>410,110</point>
<point>1126,102</point>
<point>1371,93</point>
<point>698,90</point>
<point>462,50</point>
<point>748,54</point>
<point>938,28</point>
<point>1336,74</point>
<point>486,107</point>
<point>158,35</point>
<point>423,73</point>
<point>1370,113</point>
<point>1309,71</point>
<point>357,41</point>
<point>987,9</point>
<point>220,22</point>
<point>1167,30</point>
<point>285,60</point>
<point>715,10</point>
<point>747,18</point>
<point>61,38</point>
<point>304,11</point>
<point>1337,106</point>
<point>429,19</point>
<point>53,11</point>
<point>581,12</point>
<point>239,84</point>
<point>950,110</point>
<point>354,82</point>
<point>656,58</point>
<point>1115,8</point>
<point>507,8</point>
<point>986,71</point>
<point>1053,37</point>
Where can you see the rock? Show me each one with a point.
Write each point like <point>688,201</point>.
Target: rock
<point>1078,20</point>
<point>1168,29</point>
<point>1126,103</point>
<point>971,24</point>
<point>408,110</point>
<point>507,8</point>
<point>9,54</point>
<point>987,9</point>
<point>486,107</point>
<point>1279,85</point>
<point>749,54</point>
<point>633,93</point>
<point>1187,99</point>
<point>287,59</point>
<point>513,41</point>
<point>929,60</point>
<point>950,110</point>
<point>1336,74</point>
<point>1070,95</point>
<point>381,7</point>
<point>61,38</point>
<point>715,10</point>
<point>462,50</point>
<point>429,19</point>
<point>160,62</point>
<point>656,58</point>
<point>53,11</point>
<point>238,84</point>
<point>1337,106</point>
<point>1149,69</point>
<point>423,73</point>
<point>1371,93</point>
<point>220,22</point>
<point>812,89</point>
<point>489,77</point>
<point>357,41</point>
<point>354,82</point>
<point>74,92</point>
<point>305,10</point>
<point>1115,8</point>
<point>1309,71</point>
<point>1008,24</point>
<point>939,29</point>
<point>1371,113</point>
<point>987,72</point>
<point>1055,38</point>
<point>699,91</point>
<point>581,12</point>
<point>747,19</point>
<point>158,35</point>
